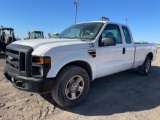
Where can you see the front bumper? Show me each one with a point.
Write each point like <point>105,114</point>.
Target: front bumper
<point>31,84</point>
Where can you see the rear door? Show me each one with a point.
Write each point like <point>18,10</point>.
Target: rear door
<point>110,59</point>
<point>129,48</point>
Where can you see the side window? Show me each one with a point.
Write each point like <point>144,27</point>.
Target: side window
<point>113,31</point>
<point>127,35</point>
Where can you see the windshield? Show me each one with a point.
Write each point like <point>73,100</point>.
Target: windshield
<point>82,31</point>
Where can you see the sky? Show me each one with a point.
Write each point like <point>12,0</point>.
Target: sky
<point>55,15</point>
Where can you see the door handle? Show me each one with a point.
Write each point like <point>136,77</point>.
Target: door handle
<point>124,51</point>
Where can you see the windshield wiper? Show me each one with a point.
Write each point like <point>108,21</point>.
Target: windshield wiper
<point>83,39</point>
<point>67,37</point>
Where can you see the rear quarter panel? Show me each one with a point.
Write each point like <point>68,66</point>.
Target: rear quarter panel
<point>142,51</point>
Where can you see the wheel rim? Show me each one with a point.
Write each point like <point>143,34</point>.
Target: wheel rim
<point>74,87</point>
<point>148,65</point>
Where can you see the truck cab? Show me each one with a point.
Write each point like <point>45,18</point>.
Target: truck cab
<point>119,57</point>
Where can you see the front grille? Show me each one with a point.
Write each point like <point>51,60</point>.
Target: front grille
<point>12,58</point>
<point>18,59</point>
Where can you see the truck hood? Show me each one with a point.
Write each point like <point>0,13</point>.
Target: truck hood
<point>35,43</point>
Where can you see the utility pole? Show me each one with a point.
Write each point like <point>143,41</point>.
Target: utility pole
<point>126,21</point>
<point>76,5</point>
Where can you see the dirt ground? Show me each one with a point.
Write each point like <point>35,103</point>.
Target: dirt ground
<point>122,96</point>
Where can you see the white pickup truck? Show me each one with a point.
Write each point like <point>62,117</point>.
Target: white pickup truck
<point>66,65</point>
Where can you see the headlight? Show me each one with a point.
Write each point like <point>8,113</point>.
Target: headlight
<point>40,66</point>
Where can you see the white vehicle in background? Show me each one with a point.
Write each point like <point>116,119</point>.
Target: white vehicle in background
<point>66,65</point>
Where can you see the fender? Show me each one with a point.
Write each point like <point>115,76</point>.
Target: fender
<point>152,50</point>
<point>56,66</point>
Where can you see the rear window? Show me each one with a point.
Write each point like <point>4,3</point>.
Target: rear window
<point>127,35</point>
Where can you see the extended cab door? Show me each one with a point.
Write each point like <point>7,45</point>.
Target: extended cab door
<point>110,59</point>
<point>129,47</point>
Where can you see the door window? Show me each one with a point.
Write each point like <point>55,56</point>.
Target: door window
<point>113,31</point>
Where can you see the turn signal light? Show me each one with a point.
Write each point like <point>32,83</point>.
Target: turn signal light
<point>43,60</point>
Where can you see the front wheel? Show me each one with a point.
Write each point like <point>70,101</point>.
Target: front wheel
<point>71,86</point>
<point>145,68</point>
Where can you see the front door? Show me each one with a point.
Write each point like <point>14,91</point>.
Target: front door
<point>110,59</point>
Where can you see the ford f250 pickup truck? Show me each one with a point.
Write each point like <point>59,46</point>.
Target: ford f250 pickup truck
<point>65,66</point>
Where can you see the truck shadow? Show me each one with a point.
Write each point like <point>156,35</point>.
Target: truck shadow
<point>120,93</point>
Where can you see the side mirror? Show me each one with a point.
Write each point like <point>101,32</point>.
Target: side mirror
<point>108,41</point>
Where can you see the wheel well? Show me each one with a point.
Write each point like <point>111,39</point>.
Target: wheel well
<point>150,55</point>
<point>83,65</point>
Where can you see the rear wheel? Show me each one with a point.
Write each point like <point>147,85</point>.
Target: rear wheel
<point>145,68</point>
<point>71,86</point>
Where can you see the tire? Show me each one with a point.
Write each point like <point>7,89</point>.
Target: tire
<point>144,69</point>
<point>71,86</point>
